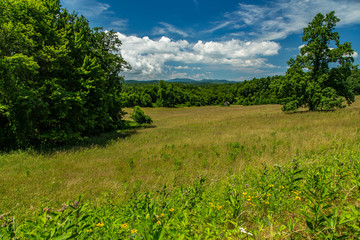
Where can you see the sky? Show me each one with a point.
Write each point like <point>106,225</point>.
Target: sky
<point>212,39</point>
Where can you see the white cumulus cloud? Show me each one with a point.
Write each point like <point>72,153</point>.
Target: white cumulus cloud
<point>150,58</point>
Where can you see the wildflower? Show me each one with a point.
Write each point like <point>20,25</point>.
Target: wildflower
<point>298,198</point>
<point>243,230</point>
<point>260,183</point>
<point>244,193</point>
<point>158,222</point>
<point>100,224</point>
<point>269,195</point>
<point>219,207</point>
<point>75,204</point>
<point>267,203</point>
<point>125,225</point>
<point>88,230</point>
<point>47,210</point>
<point>63,207</point>
<point>271,185</point>
<point>134,231</point>
<point>161,215</point>
<point>282,187</point>
<point>171,210</point>
<point>249,199</point>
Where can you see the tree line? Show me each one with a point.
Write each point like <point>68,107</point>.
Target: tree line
<point>164,94</point>
<point>249,92</point>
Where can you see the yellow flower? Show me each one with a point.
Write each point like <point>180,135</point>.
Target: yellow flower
<point>158,222</point>
<point>269,195</point>
<point>171,210</point>
<point>282,187</point>
<point>267,203</point>
<point>219,207</point>
<point>125,225</point>
<point>100,224</point>
<point>249,199</point>
<point>134,231</point>
<point>244,193</point>
<point>298,198</point>
<point>161,215</point>
<point>88,230</point>
<point>271,185</point>
<point>260,182</point>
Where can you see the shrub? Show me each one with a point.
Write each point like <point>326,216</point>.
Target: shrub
<point>140,117</point>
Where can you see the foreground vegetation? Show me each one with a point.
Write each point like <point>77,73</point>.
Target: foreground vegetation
<point>312,197</point>
<point>263,172</point>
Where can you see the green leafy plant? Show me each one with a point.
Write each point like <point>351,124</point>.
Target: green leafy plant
<point>139,116</point>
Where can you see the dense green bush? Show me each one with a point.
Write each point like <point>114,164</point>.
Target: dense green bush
<point>139,116</point>
<point>59,79</point>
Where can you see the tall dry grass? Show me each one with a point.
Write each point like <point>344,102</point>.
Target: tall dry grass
<point>184,143</point>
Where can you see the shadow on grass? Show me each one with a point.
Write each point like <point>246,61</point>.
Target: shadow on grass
<point>304,111</point>
<point>101,140</point>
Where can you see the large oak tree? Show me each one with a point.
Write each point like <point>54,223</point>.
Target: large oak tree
<point>318,77</point>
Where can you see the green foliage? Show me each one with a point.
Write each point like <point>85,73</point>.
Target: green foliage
<point>355,79</point>
<point>139,116</point>
<point>311,81</point>
<point>163,94</point>
<point>59,79</point>
<point>315,197</point>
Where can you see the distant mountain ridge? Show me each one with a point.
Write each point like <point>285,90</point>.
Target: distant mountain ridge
<point>182,80</point>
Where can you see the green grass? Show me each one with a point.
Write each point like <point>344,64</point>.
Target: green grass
<point>226,145</point>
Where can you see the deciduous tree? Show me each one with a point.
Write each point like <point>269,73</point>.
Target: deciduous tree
<point>59,79</point>
<point>318,77</point>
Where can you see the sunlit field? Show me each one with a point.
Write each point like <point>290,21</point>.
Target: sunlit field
<point>216,143</point>
<point>182,144</point>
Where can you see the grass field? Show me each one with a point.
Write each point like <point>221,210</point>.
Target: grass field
<point>182,144</point>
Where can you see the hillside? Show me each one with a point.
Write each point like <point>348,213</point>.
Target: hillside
<point>182,80</point>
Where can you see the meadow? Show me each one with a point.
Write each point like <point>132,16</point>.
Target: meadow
<point>196,173</point>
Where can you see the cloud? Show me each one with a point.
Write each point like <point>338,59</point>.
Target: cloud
<point>187,68</point>
<point>89,8</point>
<point>281,18</point>
<point>120,24</point>
<point>97,12</point>
<point>168,28</point>
<point>152,58</point>
<point>217,27</point>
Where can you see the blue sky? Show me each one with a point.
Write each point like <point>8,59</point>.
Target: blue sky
<point>212,39</point>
